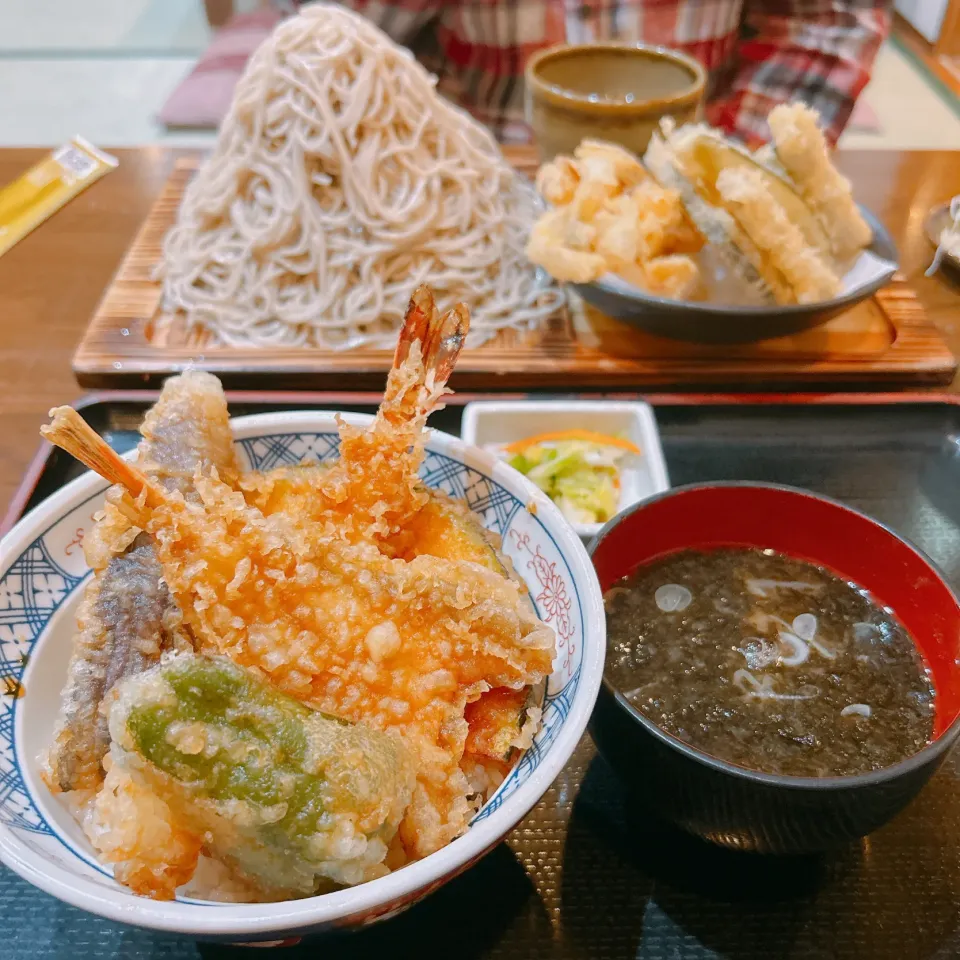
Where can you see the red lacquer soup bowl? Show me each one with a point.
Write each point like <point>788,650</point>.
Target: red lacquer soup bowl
<point>731,805</point>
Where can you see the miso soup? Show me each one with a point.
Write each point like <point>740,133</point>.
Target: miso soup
<point>768,662</point>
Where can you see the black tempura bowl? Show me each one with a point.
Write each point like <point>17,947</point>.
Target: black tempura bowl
<point>706,322</point>
<point>731,805</point>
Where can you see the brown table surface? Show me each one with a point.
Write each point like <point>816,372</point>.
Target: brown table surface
<point>51,281</point>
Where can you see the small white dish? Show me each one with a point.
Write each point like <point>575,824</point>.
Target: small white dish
<point>487,423</point>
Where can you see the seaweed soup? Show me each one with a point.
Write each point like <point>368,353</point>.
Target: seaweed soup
<point>768,662</point>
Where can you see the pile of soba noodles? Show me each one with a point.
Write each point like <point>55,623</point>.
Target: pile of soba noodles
<point>340,180</point>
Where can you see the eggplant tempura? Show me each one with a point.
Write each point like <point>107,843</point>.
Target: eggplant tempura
<point>783,219</point>
<point>352,590</point>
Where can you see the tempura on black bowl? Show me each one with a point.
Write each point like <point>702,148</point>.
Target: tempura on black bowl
<point>707,241</point>
<point>781,670</point>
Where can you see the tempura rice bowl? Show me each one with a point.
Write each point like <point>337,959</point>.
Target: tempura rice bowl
<point>43,571</point>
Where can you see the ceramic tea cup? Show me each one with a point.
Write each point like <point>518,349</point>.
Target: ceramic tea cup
<point>608,91</point>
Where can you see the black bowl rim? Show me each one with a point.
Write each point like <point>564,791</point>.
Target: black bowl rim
<point>647,302</point>
<point>920,759</point>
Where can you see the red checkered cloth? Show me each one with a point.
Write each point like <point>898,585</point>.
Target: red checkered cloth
<point>203,97</point>
<point>758,52</point>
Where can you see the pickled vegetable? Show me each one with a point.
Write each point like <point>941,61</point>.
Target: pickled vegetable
<point>579,470</point>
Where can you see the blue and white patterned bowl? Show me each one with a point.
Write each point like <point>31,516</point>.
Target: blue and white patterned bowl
<point>42,574</point>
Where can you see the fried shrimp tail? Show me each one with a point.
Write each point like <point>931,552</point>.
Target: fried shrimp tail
<point>69,431</point>
<point>373,489</point>
<point>441,338</point>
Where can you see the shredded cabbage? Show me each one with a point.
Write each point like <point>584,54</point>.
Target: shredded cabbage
<point>581,477</point>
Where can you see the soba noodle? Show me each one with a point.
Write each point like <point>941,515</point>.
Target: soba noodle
<point>340,180</point>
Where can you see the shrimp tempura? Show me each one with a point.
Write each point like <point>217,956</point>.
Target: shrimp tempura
<point>373,488</point>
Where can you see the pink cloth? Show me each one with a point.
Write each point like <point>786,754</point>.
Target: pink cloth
<point>202,99</point>
<point>864,118</point>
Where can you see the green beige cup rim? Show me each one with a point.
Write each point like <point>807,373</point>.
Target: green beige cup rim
<point>563,97</point>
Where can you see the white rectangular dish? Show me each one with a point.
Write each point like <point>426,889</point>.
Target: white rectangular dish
<point>494,422</point>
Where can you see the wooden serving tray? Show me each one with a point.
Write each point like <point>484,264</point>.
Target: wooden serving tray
<point>885,340</point>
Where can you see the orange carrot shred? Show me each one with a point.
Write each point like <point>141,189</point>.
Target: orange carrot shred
<point>603,439</point>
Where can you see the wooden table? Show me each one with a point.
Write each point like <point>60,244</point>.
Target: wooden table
<point>51,281</point>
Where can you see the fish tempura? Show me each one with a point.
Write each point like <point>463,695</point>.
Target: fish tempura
<point>127,618</point>
<point>802,149</point>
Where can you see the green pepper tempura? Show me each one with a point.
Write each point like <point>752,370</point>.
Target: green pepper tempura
<point>291,798</point>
